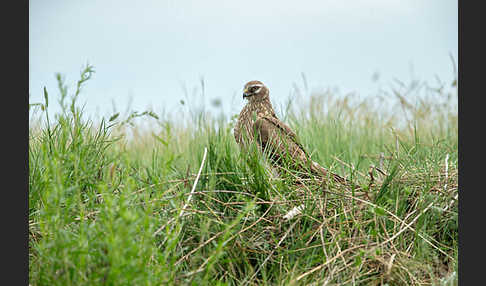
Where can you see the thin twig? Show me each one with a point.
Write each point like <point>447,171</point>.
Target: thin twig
<point>400,220</point>
<point>201,267</point>
<point>331,260</point>
<point>190,196</point>
<point>446,171</point>
<point>406,226</point>
<point>347,165</point>
<point>271,253</point>
<point>195,182</point>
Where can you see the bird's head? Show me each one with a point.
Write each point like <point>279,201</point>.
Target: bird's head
<point>255,90</point>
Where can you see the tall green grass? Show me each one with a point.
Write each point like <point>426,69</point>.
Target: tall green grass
<point>107,209</point>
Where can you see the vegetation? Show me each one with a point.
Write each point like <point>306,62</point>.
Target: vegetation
<point>117,202</point>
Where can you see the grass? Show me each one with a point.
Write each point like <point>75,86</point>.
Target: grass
<point>177,203</point>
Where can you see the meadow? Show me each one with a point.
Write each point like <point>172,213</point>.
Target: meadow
<point>140,198</point>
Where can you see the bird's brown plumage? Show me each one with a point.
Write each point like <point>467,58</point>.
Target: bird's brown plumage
<point>257,123</point>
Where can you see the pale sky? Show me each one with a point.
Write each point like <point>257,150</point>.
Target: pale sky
<point>148,50</point>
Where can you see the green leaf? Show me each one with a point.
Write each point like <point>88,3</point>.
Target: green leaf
<point>358,260</point>
<point>379,211</point>
<point>114,116</point>
<point>161,140</point>
<point>46,97</point>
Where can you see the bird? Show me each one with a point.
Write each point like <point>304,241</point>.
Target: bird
<point>258,124</point>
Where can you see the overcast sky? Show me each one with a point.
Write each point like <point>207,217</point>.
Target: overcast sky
<point>148,50</point>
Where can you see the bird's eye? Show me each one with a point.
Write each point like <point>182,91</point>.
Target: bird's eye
<point>253,88</point>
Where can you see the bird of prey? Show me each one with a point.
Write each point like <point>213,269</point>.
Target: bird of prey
<point>258,124</point>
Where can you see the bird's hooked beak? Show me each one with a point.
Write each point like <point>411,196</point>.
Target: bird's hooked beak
<point>246,93</point>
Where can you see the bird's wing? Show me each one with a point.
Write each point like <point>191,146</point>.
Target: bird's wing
<point>276,137</point>
<point>287,131</point>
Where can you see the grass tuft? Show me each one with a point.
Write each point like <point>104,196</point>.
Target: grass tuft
<point>144,199</point>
